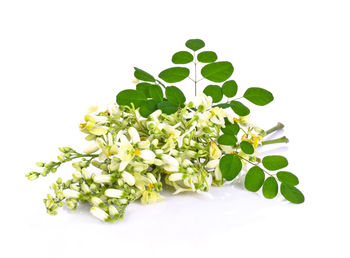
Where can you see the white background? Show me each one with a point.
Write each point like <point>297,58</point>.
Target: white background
<point>59,57</point>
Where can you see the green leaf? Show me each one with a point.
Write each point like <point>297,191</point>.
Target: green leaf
<point>254,179</point>
<point>167,107</point>
<point>217,72</point>
<point>258,96</point>
<point>287,177</point>
<point>143,76</point>
<point>239,108</point>
<point>274,162</point>
<point>213,91</point>
<point>292,194</point>
<point>144,88</point>
<point>175,95</point>
<point>230,166</point>
<point>270,188</point>
<point>148,107</point>
<point>195,44</point>
<point>230,128</point>
<point>246,147</point>
<point>174,74</point>
<point>182,57</point>
<point>223,105</point>
<point>229,88</point>
<point>156,92</point>
<point>227,139</point>
<point>126,97</point>
<point>207,57</point>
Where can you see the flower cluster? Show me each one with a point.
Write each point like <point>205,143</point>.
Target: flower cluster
<point>134,156</point>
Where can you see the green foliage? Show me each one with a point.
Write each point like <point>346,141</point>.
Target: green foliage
<point>213,91</point>
<point>292,194</point>
<point>247,147</point>
<point>274,162</point>
<point>254,179</point>
<point>174,74</point>
<point>230,166</point>
<point>182,57</point>
<point>227,139</point>
<point>175,95</point>
<point>239,108</point>
<point>258,96</point>
<point>229,88</point>
<point>207,57</point>
<point>195,44</point>
<point>287,177</point>
<point>144,88</point>
<point>217,72</point>
<point>156,92</point>
<point>143,76</point>
<point>270,188</point>
<point>167,107</point>
<point>148,107</point>
<point>230,128</point>
<point>126,97</point>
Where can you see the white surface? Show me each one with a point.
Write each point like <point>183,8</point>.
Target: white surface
<point>59,57</point>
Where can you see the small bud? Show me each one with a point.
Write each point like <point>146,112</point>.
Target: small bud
<point>69,193</point>
<point>128,178</point>
<point>32,175</point>
<point>40,164</point>
<point>59,180</point>
<point>113,193</point>
<point>176,177</point>
<point>95,201</point>
<point>85,173</point>
<point>99,213</point>
<point>85,188</point>
<point>112,210</point>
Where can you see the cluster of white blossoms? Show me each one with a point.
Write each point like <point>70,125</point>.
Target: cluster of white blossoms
<point>135,156</point>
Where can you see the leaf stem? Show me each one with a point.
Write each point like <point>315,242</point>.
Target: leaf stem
<point>279,126</point>
<point>161,84</point>
<point>195,74</point>
<point>283,139</point>
<point>252,163</point>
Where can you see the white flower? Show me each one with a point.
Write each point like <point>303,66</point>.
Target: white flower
<point>176,177</point>
<point>125,153</point>
<point>202,102</point>
<point>102,179</point>
<point>113,193</point>
<point>134,135</point>
<point>69,193</point>
<point>99,213</point>
<point>148,156</point>
<point>91,148</point>
<point>218,116</point>
<point>213,163</point>
<point>170,163</point>
<point>128,178</point>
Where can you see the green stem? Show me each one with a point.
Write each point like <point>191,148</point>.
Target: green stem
<point>161,84</point>
<point>195,74</point>
<point>251,163</point>
<point>283,139</point>
<point>279,126</point>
